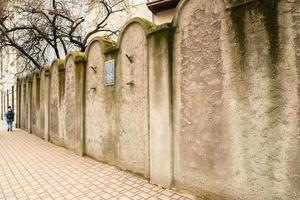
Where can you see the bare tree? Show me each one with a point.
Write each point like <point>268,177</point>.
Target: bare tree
<point>37,28</point>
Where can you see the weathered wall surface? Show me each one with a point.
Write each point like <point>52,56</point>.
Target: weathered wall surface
<point>160,101</point>
<point>36,102</point>
<point>34,106</point>
<point>19,90</point>
<point>202,143</point>
<point>23,108</point>
<point>262,83</point>
<point>69,104</point>
<point>57,120</point>
<point>294,165</point>
<point>117,132</point>
<point>73,96</point>
<point>100,140</point>
<point>208,104</point>
<point>132,100</point>
<point>28,98</point>
<point>43,105</point>
<point>235,92</point>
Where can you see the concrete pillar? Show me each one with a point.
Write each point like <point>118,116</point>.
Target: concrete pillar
<point>13,97</point>
<point>2,105</point>
<point>160,108</point>
<point>17,111</point>
<point>46,105</point>
<point>19,103</point>
<point>23,105</point>
<point>29,104</point>
<point>80,88</point>
<point>73,102</point>
<point>7,97</point>
<point>4,102</point>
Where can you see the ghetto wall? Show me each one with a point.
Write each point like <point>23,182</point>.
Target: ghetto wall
<point>208,104</point>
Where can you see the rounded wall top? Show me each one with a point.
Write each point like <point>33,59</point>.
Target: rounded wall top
<point>213,5</point>
<point>44,68</point>
<point>106,45</point>
<point>60,63</point>
<point>28,78</point>
<point>178,9</point>
<point>19,79</point>
<point>77,56</point>
<point>36,73</point>
<point>146,25</point>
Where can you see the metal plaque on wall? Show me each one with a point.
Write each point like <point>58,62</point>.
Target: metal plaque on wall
<point>109,72</point>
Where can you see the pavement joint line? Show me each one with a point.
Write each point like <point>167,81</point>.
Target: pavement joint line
<point>27,171</point>
<point>9,169</point>
<point>34,169</point>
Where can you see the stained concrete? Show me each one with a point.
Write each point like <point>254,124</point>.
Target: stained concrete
<point>57,112</point>
<point>132,102</point>
<point>235,100</point>
<point>98,126</point>
<point>212,109</point>
<point>73,100</point>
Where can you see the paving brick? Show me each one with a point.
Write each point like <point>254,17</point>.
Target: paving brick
<point>33,169</point>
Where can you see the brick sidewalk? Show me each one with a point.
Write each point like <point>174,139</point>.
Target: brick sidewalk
<point>33,169</point>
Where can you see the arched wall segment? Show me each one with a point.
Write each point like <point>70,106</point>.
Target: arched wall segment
<point>45,101</point>
<point>19,99</point>
<point>43,93</point>
<point>74,93</point>
<point>57,94</point>
<point>100,135</point>
<point>36,112</point>
<point>132,101</point>
<point>201,142</point>
<point>23,107</point>
<point>224,119</point>
<point>144,24</point>
<point>28,103</point>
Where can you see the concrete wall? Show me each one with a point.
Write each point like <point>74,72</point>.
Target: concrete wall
<point>73,103</point>
<point>132,101</point>
<point>57,98</point>
<point>235,100</point>
<point>26,103</point>
<point>117,132</point>
<point>36,105</point>
<point>98,134</point>
<point>208,104</point>
<point>43,96</point>
<point>202,143</point>
<point>23,110</point>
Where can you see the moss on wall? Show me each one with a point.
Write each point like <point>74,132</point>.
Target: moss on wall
<point>111,48</point>
<point>78,56</point>
<point>149,25</point>
<point>79,70</point>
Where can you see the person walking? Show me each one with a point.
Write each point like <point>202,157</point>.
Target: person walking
<point>9,118</point>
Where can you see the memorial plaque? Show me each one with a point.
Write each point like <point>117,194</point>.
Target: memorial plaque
<point>109,72</point>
